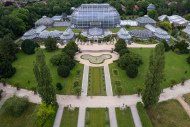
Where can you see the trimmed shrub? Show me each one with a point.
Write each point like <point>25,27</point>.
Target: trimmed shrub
<point>63,71</point>
<point>50,44</point>
<point>145,120</point>
<point>123,51</point>
<point>6,70</point>
<point>59,86</point>
<point>57,59</point>
<point>176,50</point>
<point>132,71</point>
<point>127,26</point>
<point>76,83</point>
<point>188,59</point>
<point>166,46</point>
<point>15,105</point>
<point>29,46</point>
<point>182,46</point>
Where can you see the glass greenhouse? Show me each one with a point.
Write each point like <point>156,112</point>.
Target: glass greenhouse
<point>95,15</point>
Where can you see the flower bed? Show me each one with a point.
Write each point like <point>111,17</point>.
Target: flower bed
<point>115,72</point>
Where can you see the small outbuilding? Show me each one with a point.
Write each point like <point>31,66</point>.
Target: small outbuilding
<point>150,7</point>
<point>142,21</point>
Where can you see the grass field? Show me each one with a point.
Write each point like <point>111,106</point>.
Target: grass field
<point>96,82</point>
<point>27,119</point>
<point>172,41</point>
<point>169,114</point>
<point>24,72</point>
<point>124,119</point>
<point>63,29</point>
<point>130,29</point>
<point>175,67</point>
<point>187,97</point>
<point>97,117</point>
<point>69,118</point>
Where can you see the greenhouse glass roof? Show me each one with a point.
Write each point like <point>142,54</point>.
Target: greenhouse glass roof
<point>141,34</point>
<point>128,22</point>
<point>67,35</point>
<point>161,34</point>
<point>45,34</point>
<point>95,32</point>
<point>124,34</point>
<point>44,21</point>
<point>151,6</point>
<point>95,15</point>
<point>145,19</point>
<point>187,29</point>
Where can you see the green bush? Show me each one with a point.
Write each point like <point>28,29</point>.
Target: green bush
<point>166,46</point>
<point>59,86</point>
<point>182,46</point>
<point>57,59</point>
<point>63,71</point>
<point>127,26</point>
<point>76,83</point>
<point>176,50</point>
<point>117,83</point>
<point>129,58</point>
<point>188,59</point>
<point>123,51</point>
<point>70,53</point>
<point>132,71</point>
<point>77,72</point>
<point>174,32</point>
<point>1,91</point>
<point>6,70</point>
<point>145,120</point>
<point>70,46</point>
<point>29,46</point>
<point>50,44</point>
<point>15,105</point>
<point>50,120</point>
<point>87,122</point>
<point>121,44</point>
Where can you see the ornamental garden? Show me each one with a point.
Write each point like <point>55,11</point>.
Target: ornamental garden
<point>53,63</point>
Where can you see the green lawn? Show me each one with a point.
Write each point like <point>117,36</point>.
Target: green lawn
<point>96,82</point>
<point>187,97</point>
<point>175,67</point>
<point>169,114</point>
<point>69,118</point>
<point>97,117</point>
<point>63,29</point>
<point>25,120</point>
<point>130,29</point>
<point>24,72</point>
<point>172,41</point>
<point>19,42</point>
<point>124,118</point>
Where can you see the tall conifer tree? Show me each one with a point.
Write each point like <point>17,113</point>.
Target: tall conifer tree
<point>45,87</point>
<point>154,76</point>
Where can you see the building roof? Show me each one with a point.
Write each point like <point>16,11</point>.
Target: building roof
<point>44,21</point>
<point>161,34</point>
<point>61,24</point>
<point>151,6</point>
<point>128,22</point>
<point>187,29</point>
<point>123,6</point>
<point>136,7</point>
<point>150,27</point>
<point>67,35</point>
<point>171,3</point>
<point>173,19</point>
<point>95,31</point>
<point>45,34</point>
<point>145,19</point>
<point>124,34</point>
<point>141,34</point>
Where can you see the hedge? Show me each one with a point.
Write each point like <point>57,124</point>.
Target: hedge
<point>145,120</point>
<point>50,120</point>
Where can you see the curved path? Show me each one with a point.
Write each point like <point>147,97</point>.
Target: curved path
<point>100,101</point>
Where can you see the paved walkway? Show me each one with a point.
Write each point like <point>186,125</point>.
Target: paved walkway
<point>136,117</point>
<point>81,117</point>
<point>85,81</point>
<point>184,104</point>
<point>58,117</point>
<point>108,81</point>
<point>173,38</point>
<point>112,116</point>
<point>15,41</point>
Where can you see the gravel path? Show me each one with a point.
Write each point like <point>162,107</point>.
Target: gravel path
<point>58,117</point>
<point>136,117</point>
<point>81,117</point>
<point>108,81</point>
<point>112,116</point>
<point>184,104</point>
<point>85,81</point>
